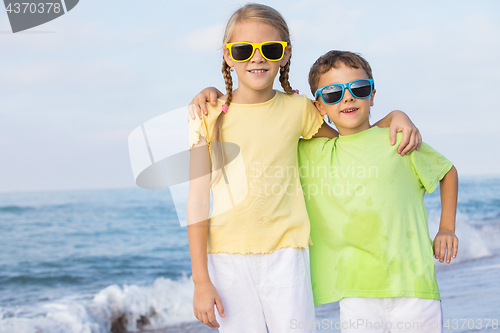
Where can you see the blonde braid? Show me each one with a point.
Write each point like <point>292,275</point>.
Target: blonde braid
<point>226,72</point>
<point>218,150</point>
<point>284,78</point>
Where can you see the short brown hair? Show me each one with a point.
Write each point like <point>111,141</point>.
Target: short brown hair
<point>331,60</point>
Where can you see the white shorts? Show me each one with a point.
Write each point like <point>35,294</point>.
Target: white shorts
<point>263,291</point>
<point>391,315</point>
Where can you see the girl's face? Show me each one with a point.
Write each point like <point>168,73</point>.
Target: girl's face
<point>256,76</point>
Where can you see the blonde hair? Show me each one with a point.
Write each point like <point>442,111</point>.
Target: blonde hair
<point>249,12</point>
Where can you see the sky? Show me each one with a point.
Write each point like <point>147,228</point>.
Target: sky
<point>73,89</point>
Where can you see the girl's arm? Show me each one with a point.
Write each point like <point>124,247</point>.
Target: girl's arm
<point>198,207</point>
<point>398,121</point>
<point>446,243</point>
<point>326,131</point>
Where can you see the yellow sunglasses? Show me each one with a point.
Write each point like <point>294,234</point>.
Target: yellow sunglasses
<point>242,51</point>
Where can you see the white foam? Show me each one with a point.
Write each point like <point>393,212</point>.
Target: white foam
<point>163,303</point>
<point>473,242</point>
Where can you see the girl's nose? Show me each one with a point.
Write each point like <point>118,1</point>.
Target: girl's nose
<point>257,56</point>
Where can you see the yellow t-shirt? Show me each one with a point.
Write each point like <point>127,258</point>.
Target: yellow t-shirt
<point>258,206</point>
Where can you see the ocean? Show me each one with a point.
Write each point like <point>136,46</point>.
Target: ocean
<point>117,260</point>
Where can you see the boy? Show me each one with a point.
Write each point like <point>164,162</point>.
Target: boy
<point>372,249</point>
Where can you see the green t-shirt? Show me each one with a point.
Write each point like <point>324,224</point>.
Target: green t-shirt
<point>368,219</point>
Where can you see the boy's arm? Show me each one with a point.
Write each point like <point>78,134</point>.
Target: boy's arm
<point>210,94</point>
<point>198,103</point>
<point>198,207</point>
<point>398,121</point>
<point>446,242</point>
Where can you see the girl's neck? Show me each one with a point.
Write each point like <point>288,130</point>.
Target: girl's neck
<point>249,96</point>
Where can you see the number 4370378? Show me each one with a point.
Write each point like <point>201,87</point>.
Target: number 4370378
<point>471,324</point>
<point>26,7</point>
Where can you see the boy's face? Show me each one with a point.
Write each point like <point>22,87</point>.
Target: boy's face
<point>350,115</point>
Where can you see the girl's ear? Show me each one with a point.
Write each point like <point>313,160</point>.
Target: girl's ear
<point>372,97</point>
<point>227,57</point>
<point>286,56</point>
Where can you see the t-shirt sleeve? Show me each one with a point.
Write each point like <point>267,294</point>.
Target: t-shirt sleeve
<point>311,120</point>
<point>430,166</point>
<point>197,127</point>
<point>313,152</point>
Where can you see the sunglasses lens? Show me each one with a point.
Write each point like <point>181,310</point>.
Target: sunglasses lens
<point>332,94</point>
<point>272,51</point>
<point>361,88</point>
<point>241,52</point>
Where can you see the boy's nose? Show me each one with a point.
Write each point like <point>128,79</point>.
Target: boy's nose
<point>347,95</point>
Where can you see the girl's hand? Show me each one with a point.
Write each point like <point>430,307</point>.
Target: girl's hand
<point>411,135</point>
<point>205,297</point>
<point>445,244</point>
<point>198,104</point>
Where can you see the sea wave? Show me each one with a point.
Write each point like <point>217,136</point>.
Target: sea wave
<point>130,308</point>
<point>476,240</point>
<point>14,209</point>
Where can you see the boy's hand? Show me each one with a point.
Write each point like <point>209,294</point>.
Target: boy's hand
<point>204,299</point>
<point>411,135</point>
<point>445,244</point>
<point>198,104</point>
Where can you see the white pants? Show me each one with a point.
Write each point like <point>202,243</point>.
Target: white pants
<point>263,291</point>
<point>390,315</point>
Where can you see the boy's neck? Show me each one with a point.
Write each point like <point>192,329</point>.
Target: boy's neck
<point>350,131</point>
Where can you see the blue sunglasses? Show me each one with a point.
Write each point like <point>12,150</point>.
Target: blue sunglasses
<point>333,93</point>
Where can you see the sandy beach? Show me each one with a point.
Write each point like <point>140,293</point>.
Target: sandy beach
<point>469,293</point>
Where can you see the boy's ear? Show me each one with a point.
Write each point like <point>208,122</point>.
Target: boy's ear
<point>372,97</point>
<point>227,57</point>
<point>319,107</point>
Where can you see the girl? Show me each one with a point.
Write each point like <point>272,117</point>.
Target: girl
<point>256,271</point>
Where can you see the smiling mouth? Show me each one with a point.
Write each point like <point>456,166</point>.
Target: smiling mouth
<point>258,71</point>
<point>349,110</point>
